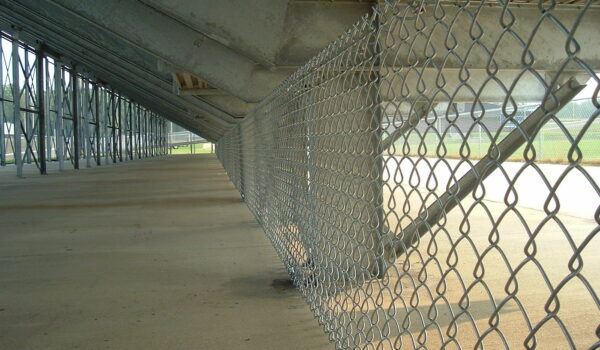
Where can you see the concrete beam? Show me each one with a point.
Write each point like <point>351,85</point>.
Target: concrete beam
<point>269,32</point>
<point>252,35</point>
<point>233,104</point>
<point>548,46</point>
<point>178,45</point>
<point>202,92</point>
<point>117,53</point>
<point>83,51</point>
<point>146,98</point>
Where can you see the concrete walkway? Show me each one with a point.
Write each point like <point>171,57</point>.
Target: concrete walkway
<point>154,254</point>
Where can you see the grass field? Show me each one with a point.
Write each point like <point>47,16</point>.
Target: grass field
<point>551,147</point>
<point>189,150</point>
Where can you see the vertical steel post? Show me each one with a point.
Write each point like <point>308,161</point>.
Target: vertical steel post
<point>169,137</point>
<point>139,131</point>
<point>152,134</point>
<point>16,107</point>
<point>124,124</point>
<point>28,103</point>
<point>86,117</point>
<point>120,117</point>
<point>41,112</point>
<point>97,115</point>
<point>113,115</point>
<point>162,135</point>
<point>58,125</point>
<point>145,133</point>
<point>130,110</point>
<point>75,115</point>
<point>106,116</point>
<point>47,110</point>
<point>2,116</point>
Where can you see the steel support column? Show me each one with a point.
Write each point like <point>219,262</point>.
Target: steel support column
<point>47,102</point>
<point>41,112</point>
<point>16,107</point>
<point>138,145</point>
<point>28,125</point>
<point>86,118</point>
<point>130,119</point>
<point>75,114</point>
<point>97,116</point>
<point>2,116</point>
<point>58,125</point>
<point>120,133</point>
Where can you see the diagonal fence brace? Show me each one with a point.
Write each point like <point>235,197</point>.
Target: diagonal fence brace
<point>553,103</point>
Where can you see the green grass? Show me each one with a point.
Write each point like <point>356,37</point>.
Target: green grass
<point>189,150</point>
<point>553,147</point>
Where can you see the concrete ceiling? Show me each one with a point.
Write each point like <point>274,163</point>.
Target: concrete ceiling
<point>237,51</point>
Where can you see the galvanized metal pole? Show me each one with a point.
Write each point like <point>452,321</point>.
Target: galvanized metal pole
<point>97,116</point>
<point>2,116</point>
<point>16,106</point>
<point>145,133</point>
<point>120,117</point>
<point>75,115</point>
<point>124,126</point>
<point>113,113</point>
<point>86,117</point>
<point>28,103</point>
<point>169,137</point>
<point>41,112</point>
<point>58,125</point>
<point>139,132</point>
<point>48,118</point>
<point>153,135</point>
<point>150,141</point>
<point>165,149</point>
<point>130,135</point>
<point>106,116</point>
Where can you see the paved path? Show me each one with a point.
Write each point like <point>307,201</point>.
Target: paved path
<point>153,254</point>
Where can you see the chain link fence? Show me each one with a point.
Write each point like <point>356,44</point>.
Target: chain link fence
<point>429,180</point>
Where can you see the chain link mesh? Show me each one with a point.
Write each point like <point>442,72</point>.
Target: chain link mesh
<point>429,180</point>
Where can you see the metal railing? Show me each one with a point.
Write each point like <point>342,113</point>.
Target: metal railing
<point>400,177</point>
<point>62,115</point>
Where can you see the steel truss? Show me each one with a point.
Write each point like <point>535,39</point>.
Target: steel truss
<point>63,115</point>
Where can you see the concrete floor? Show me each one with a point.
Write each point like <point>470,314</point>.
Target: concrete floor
<point>154,254</point>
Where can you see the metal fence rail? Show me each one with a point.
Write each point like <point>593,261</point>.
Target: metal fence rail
<point>400,176</point>
<point>62,115</point>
